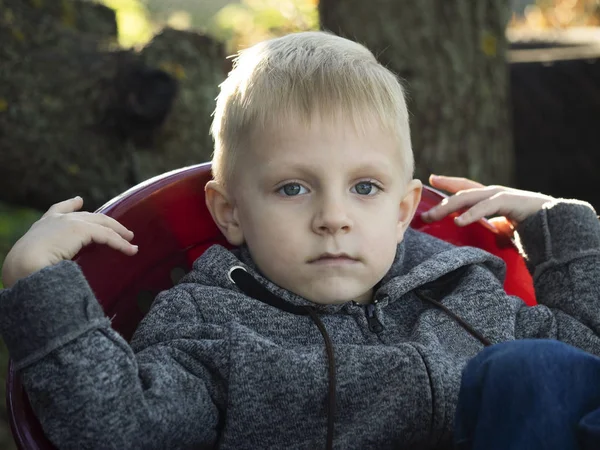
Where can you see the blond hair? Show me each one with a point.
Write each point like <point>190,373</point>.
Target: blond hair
<point>296,77</point>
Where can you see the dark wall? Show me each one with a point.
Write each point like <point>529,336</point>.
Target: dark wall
<point>556,120</point>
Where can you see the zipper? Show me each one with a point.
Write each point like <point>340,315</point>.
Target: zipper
<point>375,325</point>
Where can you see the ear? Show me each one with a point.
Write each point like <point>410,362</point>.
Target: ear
<point>224,212</point>
<point>408,207</point>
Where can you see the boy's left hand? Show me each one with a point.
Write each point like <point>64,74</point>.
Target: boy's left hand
<point>482,201</point>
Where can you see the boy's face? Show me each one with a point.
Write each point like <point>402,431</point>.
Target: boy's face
<point>321,209</point>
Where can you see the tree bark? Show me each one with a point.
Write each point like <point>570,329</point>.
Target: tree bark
<point>79,116</point>
<point>451,56</point>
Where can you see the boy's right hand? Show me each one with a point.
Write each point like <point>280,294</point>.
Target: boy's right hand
<point>59,235</point>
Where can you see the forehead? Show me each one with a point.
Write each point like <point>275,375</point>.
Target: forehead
<point>324,144</point>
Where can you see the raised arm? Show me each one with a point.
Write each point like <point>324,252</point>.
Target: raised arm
<point>86,384</point>
<point>560,240</point>
<point>562,244</point>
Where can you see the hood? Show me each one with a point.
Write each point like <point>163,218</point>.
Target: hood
<point>420,259</point>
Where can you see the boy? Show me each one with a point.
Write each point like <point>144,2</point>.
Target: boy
<point>323,327</point>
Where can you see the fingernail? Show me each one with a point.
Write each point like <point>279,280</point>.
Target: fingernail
<point>77,197</point>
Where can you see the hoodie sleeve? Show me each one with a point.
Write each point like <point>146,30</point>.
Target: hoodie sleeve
<point>561,244</point>
<point>88,386</point>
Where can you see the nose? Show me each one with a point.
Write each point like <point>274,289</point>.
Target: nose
<point>332,216</point>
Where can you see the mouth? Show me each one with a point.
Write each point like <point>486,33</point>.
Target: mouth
<point>333,258</point>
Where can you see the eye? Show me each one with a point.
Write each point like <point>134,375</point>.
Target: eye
<point>291,190</point>
<point>365,188</point>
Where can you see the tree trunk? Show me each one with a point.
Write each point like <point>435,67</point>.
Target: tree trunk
<point>451,57</point>
<point>79,116</point>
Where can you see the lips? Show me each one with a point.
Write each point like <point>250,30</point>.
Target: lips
<point>334,258</point>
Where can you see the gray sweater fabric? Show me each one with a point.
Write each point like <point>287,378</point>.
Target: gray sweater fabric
<point>210,367</point>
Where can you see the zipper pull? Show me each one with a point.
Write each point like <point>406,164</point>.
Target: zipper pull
<point>375,325</point>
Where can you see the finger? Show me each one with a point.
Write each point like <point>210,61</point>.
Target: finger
<point>491,206</point>
<point>106,221</point>
<point>66,206</point>
<point>459,201</point>
<point>106,236</point>
<point>453,184</point>
<point>503,225</point>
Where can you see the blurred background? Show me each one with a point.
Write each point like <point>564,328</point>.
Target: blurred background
<point>96,97</point>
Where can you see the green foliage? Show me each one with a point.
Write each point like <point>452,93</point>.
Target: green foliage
<point>133,21</point>
<point>243,24</point>
<point>14,222</point>
<point>239,24</point>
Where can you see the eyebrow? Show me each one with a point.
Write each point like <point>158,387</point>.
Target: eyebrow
<point>301,167</point>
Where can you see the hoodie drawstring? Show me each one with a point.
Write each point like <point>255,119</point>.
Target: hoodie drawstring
<point>248,284</point>
<point>251,287</point>
<point>463,323</point>
<point>332,379</point>
<point>438,288</point>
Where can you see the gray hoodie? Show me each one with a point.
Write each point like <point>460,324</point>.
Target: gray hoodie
<point>212,366</point>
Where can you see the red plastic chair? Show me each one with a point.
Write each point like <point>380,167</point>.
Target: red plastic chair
<point>172,228</point>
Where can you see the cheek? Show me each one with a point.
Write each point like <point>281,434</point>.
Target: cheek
<point>271,228</point>
<point>384,243</point>
<point>384,230</point>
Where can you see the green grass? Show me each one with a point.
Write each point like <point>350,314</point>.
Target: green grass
<point>14,222</point>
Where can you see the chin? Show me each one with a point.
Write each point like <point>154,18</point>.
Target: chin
<point>334,299</point>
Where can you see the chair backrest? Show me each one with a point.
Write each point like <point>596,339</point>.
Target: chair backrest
<point>172,228</point>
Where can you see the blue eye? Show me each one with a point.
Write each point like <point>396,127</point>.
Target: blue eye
<point>365,188</point>
<point>292,189</point>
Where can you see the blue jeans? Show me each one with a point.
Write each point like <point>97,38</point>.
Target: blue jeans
<point>529,394</point>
